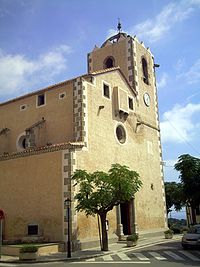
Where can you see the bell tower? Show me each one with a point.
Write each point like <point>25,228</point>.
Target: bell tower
<point>136,62</point>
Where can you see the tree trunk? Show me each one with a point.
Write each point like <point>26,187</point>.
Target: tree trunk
<point>104,232</point>
<point>193,209</point>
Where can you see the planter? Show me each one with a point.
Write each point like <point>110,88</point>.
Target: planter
<point>131,243</point>
<point>168,235</point>
<point>23,256</point>
<point>131,240</point>
<point>28,252</point>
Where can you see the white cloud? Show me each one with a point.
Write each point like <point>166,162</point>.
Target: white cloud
<point>193,75</point>
<point>178,125</point>
<point>156,28</point>
<point>169,162</point>
<point>19,74</point>
<point>111,32</point>
<point>162,82</point>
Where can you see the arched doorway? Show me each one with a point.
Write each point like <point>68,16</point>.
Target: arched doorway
<point>125,209</point>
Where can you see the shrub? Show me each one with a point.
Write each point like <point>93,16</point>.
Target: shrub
<point>169,231</point>
<point>176,230</point>
<point>134,237</point>
<point>26,249</point>
<point>184,228</point>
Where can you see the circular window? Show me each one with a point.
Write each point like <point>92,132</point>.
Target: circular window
<point>121,134</point>
<point>21,142</point>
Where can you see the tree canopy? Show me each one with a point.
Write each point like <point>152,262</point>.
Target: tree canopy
<point>99,192</point>
<point>174,196</point>
<point>189,168</point>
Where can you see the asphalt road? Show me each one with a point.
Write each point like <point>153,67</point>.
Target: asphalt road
<point>163,255</point>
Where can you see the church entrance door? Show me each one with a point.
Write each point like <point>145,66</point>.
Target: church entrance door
<point>125,217</point>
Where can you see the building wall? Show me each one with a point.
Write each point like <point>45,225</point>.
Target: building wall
<point>32,193</point>
<point>58,114</point>
<point>84,115</point>
<point>140,152</point>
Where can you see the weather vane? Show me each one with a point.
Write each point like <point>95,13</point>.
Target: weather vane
<point>119,26</point>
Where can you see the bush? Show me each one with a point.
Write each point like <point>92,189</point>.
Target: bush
<point>26,249</point>
<point>133,237</point>
<point>169,231</point>
<point>184,228</point>
<point>176,230</point>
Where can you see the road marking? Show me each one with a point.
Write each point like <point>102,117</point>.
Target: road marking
<point>107,258</point>
<point>7,264</point>
<point>123,256</point>
<point>157,256</point>
<point>115,262</point>
<point>140,256</point>
<point>92,259</point>
<point>173,255</point>
<point>189,255</point>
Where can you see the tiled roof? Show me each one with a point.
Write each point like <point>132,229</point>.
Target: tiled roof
<point>51,87</point>
<point>105,70</point>
<point>40,150</point>
<point>114,69</point>
<point>48,88</point>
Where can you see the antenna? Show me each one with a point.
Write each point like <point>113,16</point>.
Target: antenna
<point>119,26</point>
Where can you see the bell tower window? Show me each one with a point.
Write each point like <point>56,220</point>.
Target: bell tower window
<point>145,71</point>
<point>109,63</point>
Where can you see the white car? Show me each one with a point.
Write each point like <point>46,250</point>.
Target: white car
<point>192,237</point>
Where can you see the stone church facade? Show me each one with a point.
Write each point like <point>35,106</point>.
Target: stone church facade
<point>109,115</point>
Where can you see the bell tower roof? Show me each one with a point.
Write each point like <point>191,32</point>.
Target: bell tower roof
<point>115,38</point>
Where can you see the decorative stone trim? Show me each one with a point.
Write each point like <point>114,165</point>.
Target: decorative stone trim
<point>89,62</point>
<point>159,142</point>
<point>40,150</point>
<point>130,62</point>
<point>80,110</point>
<point>68,169</point>
<point>135,67</point>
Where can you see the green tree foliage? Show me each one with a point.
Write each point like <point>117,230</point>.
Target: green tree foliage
<point>99,192</point>
<point>174,196</point>
<point>189,168</point>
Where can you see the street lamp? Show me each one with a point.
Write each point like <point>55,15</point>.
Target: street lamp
<point>68,204</point>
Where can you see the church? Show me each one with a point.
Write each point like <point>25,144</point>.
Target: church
<point>107,116</point>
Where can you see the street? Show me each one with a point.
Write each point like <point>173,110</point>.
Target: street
<point>162,255</point>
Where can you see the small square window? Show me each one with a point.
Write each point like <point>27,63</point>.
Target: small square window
<point>106,90</point>
<point>33,229</point>
<point>40,100</point>
<point>130,103</point>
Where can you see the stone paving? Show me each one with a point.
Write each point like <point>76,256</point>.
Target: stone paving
<point>95,252</point>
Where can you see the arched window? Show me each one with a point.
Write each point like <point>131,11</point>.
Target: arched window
<point>145,71</point>
<point>109,63</point>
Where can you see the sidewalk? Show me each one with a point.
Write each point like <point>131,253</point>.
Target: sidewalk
<point>94,252</point>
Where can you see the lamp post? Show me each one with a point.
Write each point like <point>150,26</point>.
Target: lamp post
<point>67,204</point>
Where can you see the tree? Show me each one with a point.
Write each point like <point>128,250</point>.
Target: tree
<point>99,192</point>
<point>189,168</point>
<point>174,196</point>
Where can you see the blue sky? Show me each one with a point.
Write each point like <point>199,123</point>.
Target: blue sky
<point>43,42</point>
